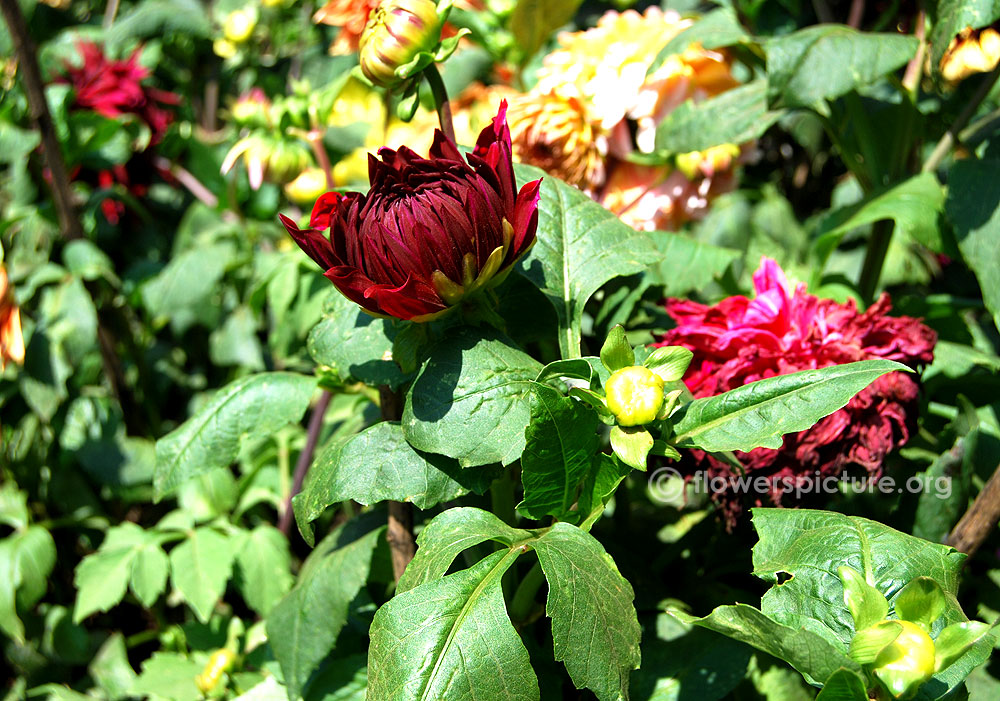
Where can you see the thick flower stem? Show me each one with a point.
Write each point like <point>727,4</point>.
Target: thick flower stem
<point>871,268</point>
<point>523,603</point>
<point>304,460</point>
<point>980,520</point>
<point>440,101</point>
<point>399,533</point>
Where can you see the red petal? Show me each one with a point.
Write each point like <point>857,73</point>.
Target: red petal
<point>316,245</point>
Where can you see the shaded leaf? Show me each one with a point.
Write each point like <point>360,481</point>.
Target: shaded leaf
<point>595,631</point>
<point>200,568</point>
<point>451,639</point>
<point>471,399</point>
<point>260,403</point>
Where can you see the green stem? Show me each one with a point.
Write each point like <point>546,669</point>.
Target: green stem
<point>440,101</point>
<point>524,598</point>
<point>871,269</point>
<point>848,156</point>
<point>950,137</point>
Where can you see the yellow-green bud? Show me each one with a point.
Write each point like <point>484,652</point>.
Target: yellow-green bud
<point>219,662</point>
<point>396,32</point>
<point>307,187</point>
<point>239,25</point>
<point>634,395</point>
<point>907,662</point>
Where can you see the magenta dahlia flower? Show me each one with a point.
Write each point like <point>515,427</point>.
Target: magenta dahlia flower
<point>784,330</point>
<point>430,231</point>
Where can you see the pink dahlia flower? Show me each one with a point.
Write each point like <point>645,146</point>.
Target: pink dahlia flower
<point>783,329</point>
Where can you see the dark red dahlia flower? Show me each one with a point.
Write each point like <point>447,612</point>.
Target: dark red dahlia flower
<point>430,231</point>
<point>784,330</point>
<point>113,88</point>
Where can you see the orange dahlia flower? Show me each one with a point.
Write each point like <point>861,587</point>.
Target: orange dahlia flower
<point>11,341</point>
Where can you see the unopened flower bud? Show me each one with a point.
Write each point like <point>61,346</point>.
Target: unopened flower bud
<point>287,160</point>
<point>219,662</point>
<point>907,662</point>
<point>396,32</point>
<point>634,395</point>
<point>239,25</point>
<point>307,187</point>
<point>971,52</point>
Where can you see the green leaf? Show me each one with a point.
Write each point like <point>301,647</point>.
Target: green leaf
<point>940,507</point>
<point>867,604</point>
<point>560,444</point>
<point>186,284</point>
<point>669,362</point>
<point>952,17</point>
<point>447,535</point>
<point>815,657</point>
<point>534,20</point>
<point>617,353</point>
<point>972,207</point>
<point>844,685</point>
<point>595,631</point>
<point>733,117</point>
<point>451,639</point>
<point>10,624</point>
<point>303,627</point>
<point>913,204</point>
<point>580,246</point>
<point>168,675</point>
<point>826,61</point>
<point>921,601</point>
<point>760,413</point>
<point>236,342</point>
<point>102,577</point>
<point>955,640</point>
<point>34,554</point>
<point>110,668</point>
<point>810,545</point>
<point>356,344</point>
<point>200,568</point>
<point>688,264</point>
<point>258,404</point>
<point>606,473</point>
<point>714,30</point>
<point>148,578</point>
<point>392,470</point>
<point>632,445</point>
<point>471,399</point>
<point>263,566</point>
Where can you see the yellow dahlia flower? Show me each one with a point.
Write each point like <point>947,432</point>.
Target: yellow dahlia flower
<point>607,65</point>
<point>971,52</point>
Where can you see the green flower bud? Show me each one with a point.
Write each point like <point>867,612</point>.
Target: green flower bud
<point>634,395</point>
<point>907,662</point>
<point>396,32</point>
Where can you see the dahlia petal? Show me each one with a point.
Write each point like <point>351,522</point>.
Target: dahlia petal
<point>443,148</point>
<point>525,221</point>
<point>324,209</point>
<point>354,285</point>
<point>414,298</point>
<point>315,244</point>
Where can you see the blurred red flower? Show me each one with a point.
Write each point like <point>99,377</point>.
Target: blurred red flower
<point>430,231</point>
<point>784,330</point>
<point>113,88</point>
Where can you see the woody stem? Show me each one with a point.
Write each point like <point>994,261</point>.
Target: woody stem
<point>440,101</point>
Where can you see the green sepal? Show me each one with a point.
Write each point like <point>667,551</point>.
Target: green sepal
<point>921,601</point>
<point>870,642</point>
<point>665,449</point>
<point>867,604</point>
<point>669,404</point>
<point>617,353</point>
<point>596,401</point>
<point>360,76</point>
<point>632,445</point>
<point>955,640</point>
<point>408,103</point>
<point>448,46</point>
<point>669,362</point>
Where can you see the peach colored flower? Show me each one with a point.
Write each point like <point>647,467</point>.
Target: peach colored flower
<point>657,197</point>
<point>351,16</point>
<point>11,341</point>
